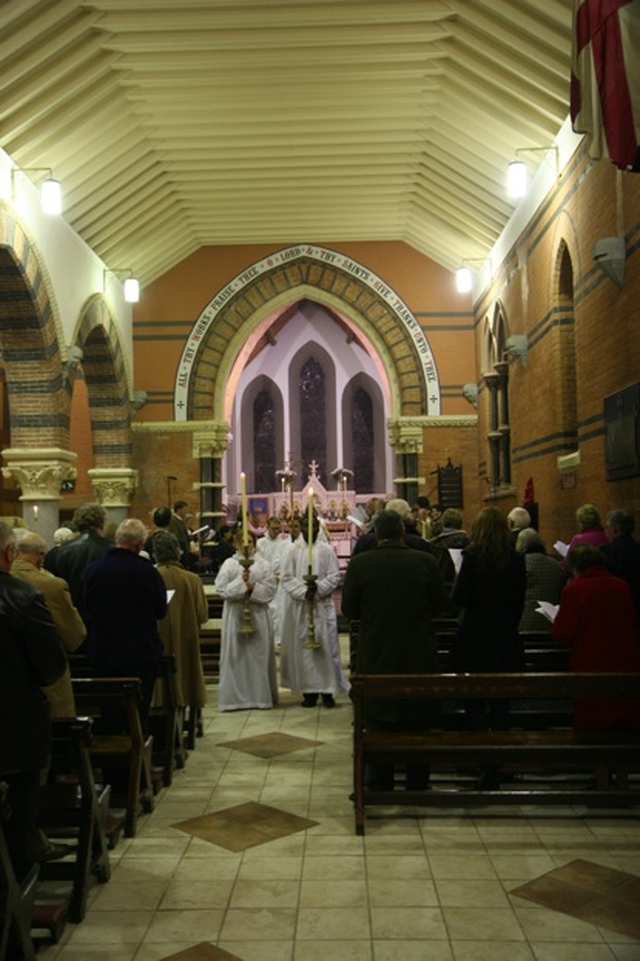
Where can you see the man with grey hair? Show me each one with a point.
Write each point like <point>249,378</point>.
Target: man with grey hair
<point>27,566</point>
<point>518,518</point>
<point>31,657</point>
<point>368,541</point>
<point>125,597</point>
<point>71,559</point>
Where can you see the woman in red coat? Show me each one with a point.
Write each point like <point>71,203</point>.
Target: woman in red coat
<point>597,621</point>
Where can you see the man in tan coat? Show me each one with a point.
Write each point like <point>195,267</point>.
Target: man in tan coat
<point>180,629</point>
<point>28,567</point>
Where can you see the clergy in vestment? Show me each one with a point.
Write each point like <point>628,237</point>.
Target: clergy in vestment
<point>305,671</point>
<point>247,660</point>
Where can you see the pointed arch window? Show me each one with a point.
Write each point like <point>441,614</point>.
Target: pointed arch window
<point>264,442</point>
<point>313,412</point>
<point>363,439</point>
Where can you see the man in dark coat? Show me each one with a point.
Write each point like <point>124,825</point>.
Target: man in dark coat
<point>125,596</point>
<point>369,540</point>
<point>70,560</point>
<point>394,592</point>
<point>31,657</point>
<point>623,553</point>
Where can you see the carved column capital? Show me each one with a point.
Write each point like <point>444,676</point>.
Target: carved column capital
<point>39,472</point>
<point>114,486</point>
<point>212,441</point>
<point>406,435</point>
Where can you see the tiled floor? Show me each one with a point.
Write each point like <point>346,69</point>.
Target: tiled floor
<point>437,887</point>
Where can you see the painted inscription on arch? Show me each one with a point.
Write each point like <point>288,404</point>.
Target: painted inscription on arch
<point>321,255</point>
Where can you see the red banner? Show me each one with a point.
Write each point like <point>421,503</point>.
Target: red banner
<point>605,79</point>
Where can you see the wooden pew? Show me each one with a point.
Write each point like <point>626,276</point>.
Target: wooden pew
<point>16,900</point>
<point>210,641</point>
<point>125,749</point>
<point>71,808</point>
<point>609,756</point>
<point>167,722</point>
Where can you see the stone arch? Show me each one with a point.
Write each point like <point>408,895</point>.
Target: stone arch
<point>31,341</point>
<point>222,335</point>
<point>106,378</point>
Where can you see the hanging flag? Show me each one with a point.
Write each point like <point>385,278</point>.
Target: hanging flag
<point>605,79</point>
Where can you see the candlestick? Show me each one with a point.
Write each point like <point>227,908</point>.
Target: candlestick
<point>245,512</point>
<point>35,513</point>
<point>310,528</point>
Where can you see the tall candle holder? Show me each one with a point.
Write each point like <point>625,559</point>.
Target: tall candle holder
<point>246,626</point>
<point>311,644</point>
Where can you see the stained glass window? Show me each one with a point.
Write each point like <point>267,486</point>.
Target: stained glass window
<point>313,427</point>
<point>363,440</point>
<point>264,442</point>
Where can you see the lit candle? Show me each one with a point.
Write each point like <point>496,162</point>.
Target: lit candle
<point>245,512</point>
<point>35,513</point>
<point>310,532</point>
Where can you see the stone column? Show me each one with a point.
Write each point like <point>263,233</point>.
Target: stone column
<point>113,488</point>
<point>40,474</point>
<point>406,439</point>
<point>209,446</point>
<point>494,436</point>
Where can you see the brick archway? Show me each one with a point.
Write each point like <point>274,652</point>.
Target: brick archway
<point>106,379</point>
<point>30,338</point>
<point>265,289</point>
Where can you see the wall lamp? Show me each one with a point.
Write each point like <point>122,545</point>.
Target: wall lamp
<point>517,170</point>
<point>464,275</point>
<point>131,286</point>
<point>50,190</point>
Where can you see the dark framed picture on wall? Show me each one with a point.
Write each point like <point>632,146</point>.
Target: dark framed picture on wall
<point>622,433</point>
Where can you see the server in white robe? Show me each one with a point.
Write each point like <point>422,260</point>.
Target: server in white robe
<point>305,671</point>
<point>272,548</point>
<point>247,661</point>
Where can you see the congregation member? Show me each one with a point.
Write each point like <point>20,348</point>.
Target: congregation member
<point>161,518</point>
<point>394,592</point>
<point>31,658</point>
<point>490,590</point>
<point>590,526</point>
<point>452,537</point>
<point>622,553</point>
<point>546,578</point>
<point>597,621</point>
<point>72,558</point>
<point>518,520</point>
<point>178,527</point>
<point>28,566</point>
<point>247,658</point>
<point>125,597</point>
<point>310,672</point>
<point>368,541</point>
<point>180,629</point>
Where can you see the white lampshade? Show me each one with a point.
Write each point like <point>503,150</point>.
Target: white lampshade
<point>51,196</point>
<point>464,280</point>
<point>131,290</point>
<point>517,179</point>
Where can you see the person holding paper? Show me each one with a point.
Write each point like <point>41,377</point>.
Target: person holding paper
<point>597,621</point>
<point>545,579</point>
<point>448,547</point>
<point>305,671</point>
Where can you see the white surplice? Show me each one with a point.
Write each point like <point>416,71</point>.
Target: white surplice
<point>301,669</point>
<point>247,661</point>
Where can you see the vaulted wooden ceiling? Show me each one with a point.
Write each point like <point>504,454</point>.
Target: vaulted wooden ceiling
<point>174,124</point>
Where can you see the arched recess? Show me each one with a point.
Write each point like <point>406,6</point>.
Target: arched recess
<point>31,341</point>
<point>106,379</point>
<point>565,374</point>
<point>363,383</point>
<point>261,385</point>
<point>312,351</point>
<point>496,380</point>
<point>227,330</point>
